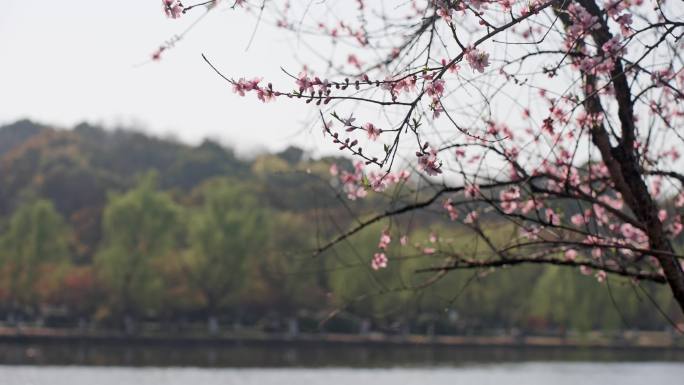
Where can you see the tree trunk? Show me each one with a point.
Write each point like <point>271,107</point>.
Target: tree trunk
<point>621,160</point>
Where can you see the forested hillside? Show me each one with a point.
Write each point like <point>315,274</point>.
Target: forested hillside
<point>113,227</point>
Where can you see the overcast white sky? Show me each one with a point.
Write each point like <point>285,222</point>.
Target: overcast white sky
<point>64,62</point>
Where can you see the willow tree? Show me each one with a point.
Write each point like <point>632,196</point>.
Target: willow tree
<point>33,253</point>
<point>140,229</point>
<point>224,234</point>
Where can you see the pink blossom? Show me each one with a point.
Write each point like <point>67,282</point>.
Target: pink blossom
<point>379,261</point>
<point>471,217</point>
<point>445,14</point>
<point>429,163</point>
<point>372,131</point>
<point>448,206</point>
<point>242,85</point>
<point>265,95</point>
<point>472,191</point>
<point>354,192</point>
<point>676,227</point>
<point>334,170</point>
<point>429,250</point>
<point>403,240</point>
<point>601,276</point>
<point>613,48</point>
<point>577,219</point>
<point>528,206</point>
<point>585,270</point>
<point>662,215</point>
<point>679,201</point>
<point>509,199</point>
<point>506,5</point>
<point>625,21</point>
<point>353,60</point>
<point>385,240</point>
<point>304,83</point>
<point>172,8</point>
<point>435,88</point>
<point>477,59</point>
<point>531,233</point>
<point>571,254</point>
<point>552,217</point>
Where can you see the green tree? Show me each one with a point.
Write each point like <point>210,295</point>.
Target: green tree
<point>224,233</point>
<point>290,283</point>
<point>141,228</point>
<point>35,249</point>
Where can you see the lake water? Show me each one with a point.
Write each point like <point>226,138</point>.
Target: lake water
<point>499,374</point>
<point>324,364</point>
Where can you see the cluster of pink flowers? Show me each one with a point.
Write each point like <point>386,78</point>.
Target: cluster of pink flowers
<point>173,8</point>
<point>381,181</point>
<point>614,9</point>
<point>265,94</point>
<point>435,88</point>
<point>379,261</point>
<point>372,131</point>
<point>356,184</point>
<point>451,210</point>
<point>354,60</point>
<point>509,199</point>
<point>582,23</point>
<point>428,162</point>
<point>380,258</point>
<point>596,65</point>
<point>471,217</point>
<point>353,182</point>
<point>613,48</point>
<point>477,59</point>
<point>399,86</point>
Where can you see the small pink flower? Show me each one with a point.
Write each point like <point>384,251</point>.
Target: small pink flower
<point>613,48</point>
<point>403,240</point>
<point>601,276</point>
<point>379,261</point>
<point>662,215</point>
<point>385,240</point>
<point>172,8</point>
<point>577,219</point>
<point>477,59</point>
<point>679,202</point>
<point>449,207</point>
<point>472,191</point>
<point>334,171</point>
<point>552,217</point>
<point>444,13</point>
<point>353,60</point>
<point>471,217</point>
<point>570,254</point>
<point>676,228</point>
<point>435,88</point>
<point>429,163</point>
<point>265,95</point>
<point>372,131</point>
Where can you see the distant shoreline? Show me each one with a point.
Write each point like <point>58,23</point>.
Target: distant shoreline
<point>627,340</point>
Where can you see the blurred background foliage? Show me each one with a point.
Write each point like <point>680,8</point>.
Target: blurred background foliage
<point>114,228</point>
